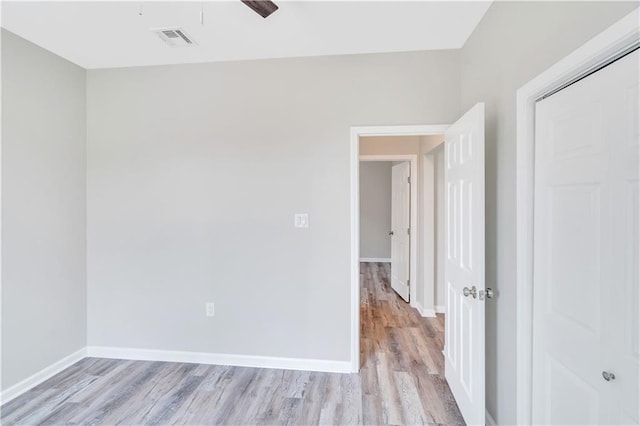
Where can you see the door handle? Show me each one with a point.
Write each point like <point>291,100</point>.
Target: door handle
<point>608,376</point>
<point>473,292</point>
<point>488,293</point>
<point>390,232</point>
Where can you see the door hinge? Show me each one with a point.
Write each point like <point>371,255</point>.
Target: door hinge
<point>407,283</point>
<point>409,179</point>
<point>408,231</point>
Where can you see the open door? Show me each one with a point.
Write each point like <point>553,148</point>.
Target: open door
<point>400,224</point>
<point>464,263</point>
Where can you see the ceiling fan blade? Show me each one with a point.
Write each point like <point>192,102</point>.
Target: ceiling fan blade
<point>263,8</point>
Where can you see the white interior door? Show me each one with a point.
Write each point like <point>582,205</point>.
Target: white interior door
<point>464,265</point>
<point>400,225</point>
<point>586,253</point>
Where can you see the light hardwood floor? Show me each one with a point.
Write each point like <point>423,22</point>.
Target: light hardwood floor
<point>400,382</point>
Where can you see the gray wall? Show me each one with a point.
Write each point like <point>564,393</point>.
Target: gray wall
<point>375,209</point>
<point>514,42</point>
<point>194,175</point>
<point>43,209</point>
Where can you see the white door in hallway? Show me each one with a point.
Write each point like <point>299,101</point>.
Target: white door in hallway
<point>464,263</point>
<point>400,224</point>
<point>586,342</point>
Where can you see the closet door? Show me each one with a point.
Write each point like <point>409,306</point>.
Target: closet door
<point>620,109</point>
<point>586,353</point>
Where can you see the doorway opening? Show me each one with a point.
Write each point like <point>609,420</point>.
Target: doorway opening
<point>399,347</point>
<point>464,341</point>
<point>389,213</point>
<point>385,144</point>
<point>401,200</point>
<point>401,214</point>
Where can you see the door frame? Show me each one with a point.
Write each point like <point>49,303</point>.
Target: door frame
<point>356,133</point>
<point>429,237</point>
<point>617,38</point>
<point>413,211</point>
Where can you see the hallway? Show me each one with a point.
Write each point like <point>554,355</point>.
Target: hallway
<point>401,356</point>
<point>400,382</point>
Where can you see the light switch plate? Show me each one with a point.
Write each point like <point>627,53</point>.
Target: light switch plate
<point>210,309</point>
<point>301,220</point>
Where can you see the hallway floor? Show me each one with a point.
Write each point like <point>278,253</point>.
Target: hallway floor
<point>400,382</point>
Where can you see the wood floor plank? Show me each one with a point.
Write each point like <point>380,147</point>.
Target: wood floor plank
<point>297,382</point>
<point>14,411</point>
<point>329,413</point>
<point>105,383</point>
<point>413,412</point>
<point>61,414</point>
<point>172,404</point>
<point>234,399</point>
<point>388,394</point>
<point>312,399</point>
<point>351,386</point>
<point>115,401</point>
<point>372,413</point>
<point>401,381</point>
<point>203,407</point>
<point>56,398</point>
<point>153,392</point>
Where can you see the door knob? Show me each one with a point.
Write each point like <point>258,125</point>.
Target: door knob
<point>470,291</point>
<point>608,376</point>
<point>488,293</point>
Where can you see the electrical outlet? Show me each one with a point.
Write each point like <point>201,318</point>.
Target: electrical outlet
<point>210,310</point>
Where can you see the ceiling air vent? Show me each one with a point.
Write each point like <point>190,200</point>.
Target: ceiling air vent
<point>174,37</point>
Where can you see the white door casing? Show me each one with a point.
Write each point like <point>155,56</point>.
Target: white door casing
<point>464,264</point>
<point>585,297</point>
<point>400,225</point>
<point>356,134</point>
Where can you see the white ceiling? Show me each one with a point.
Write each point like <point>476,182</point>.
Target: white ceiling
<point>114,34</point>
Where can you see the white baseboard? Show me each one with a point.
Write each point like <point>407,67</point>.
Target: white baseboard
<point>376,259</point>
<point>42,375</point>
<point>489,421</point>
<point>427,313</point>
<point>440,309</point>
<point>220,359</point>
